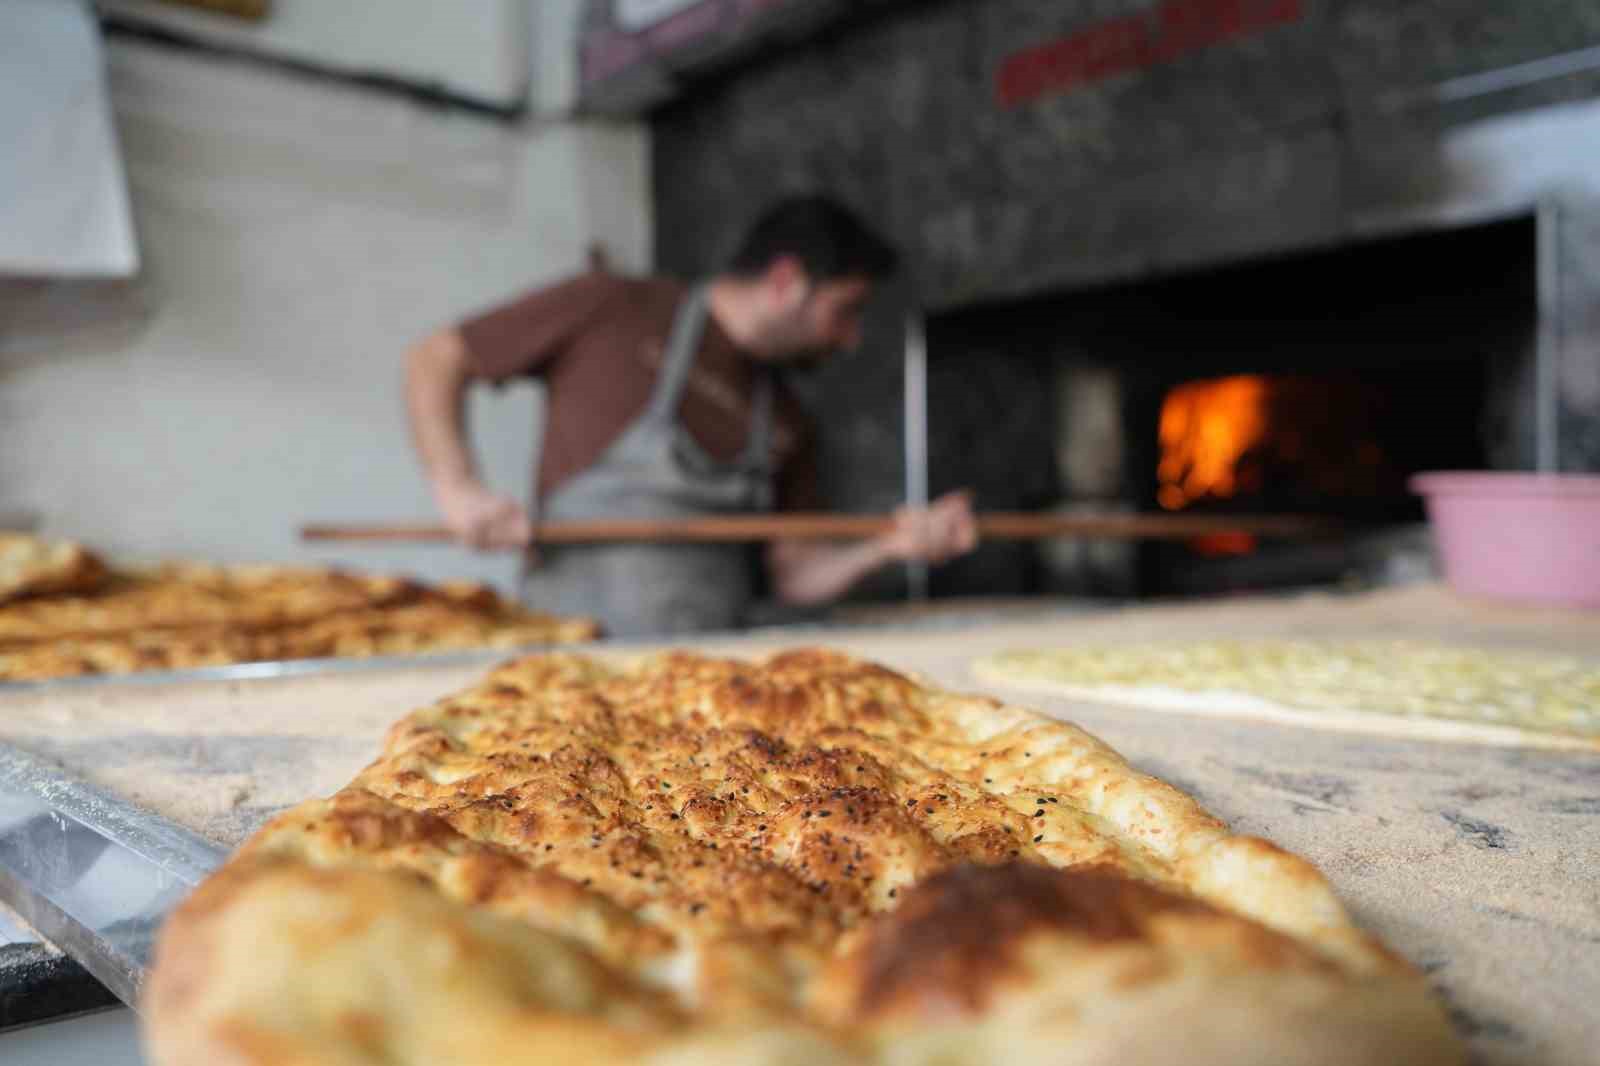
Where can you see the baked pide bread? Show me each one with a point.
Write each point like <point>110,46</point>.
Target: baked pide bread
<point>30,566</point>
<point>184,595</point>
<point>810,859</point>
<point>187,615</point>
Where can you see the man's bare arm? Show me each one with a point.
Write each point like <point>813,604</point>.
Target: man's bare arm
<point>807,572</point>
<point>436,389</point>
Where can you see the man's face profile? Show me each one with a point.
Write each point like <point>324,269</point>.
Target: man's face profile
<point>810,320</point>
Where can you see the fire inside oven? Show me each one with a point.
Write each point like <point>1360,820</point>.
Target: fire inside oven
<point>1296,442</point>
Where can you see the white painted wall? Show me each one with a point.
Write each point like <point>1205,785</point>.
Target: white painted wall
<point>478,48</point>
<point>297,237</point>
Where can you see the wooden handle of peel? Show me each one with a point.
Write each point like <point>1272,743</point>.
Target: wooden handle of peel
<point>824,526</point>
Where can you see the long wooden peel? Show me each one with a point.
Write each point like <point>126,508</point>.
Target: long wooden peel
<point>825,526</point>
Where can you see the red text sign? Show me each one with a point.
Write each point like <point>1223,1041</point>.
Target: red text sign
<point>1135,41</point>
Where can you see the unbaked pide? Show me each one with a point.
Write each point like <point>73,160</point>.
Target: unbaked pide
<point>809,859</point>
<point>1406,688</point>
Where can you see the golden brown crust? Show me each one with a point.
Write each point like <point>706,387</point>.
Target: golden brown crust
<point>812,842</point>
<point>957,929</point>
<point>959,935</point>
<point>482,985</point>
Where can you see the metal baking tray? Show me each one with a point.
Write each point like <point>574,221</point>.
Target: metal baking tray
<point>92,873</point>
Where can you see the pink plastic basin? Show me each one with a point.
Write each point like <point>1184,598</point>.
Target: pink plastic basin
<point>1533,538</point>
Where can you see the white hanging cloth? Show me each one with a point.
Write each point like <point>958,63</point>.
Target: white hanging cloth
<point>63,192</point>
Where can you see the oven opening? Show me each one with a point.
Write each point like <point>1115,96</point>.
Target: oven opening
<point>1315,383</point>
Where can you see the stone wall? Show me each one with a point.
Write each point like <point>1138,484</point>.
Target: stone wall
<point>1251,145</point>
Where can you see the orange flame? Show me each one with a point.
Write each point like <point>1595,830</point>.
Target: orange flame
<point>1206,428</point>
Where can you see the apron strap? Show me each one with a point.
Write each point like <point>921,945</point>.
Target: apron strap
<point>677,361</point>
<point>758,452</point>
<point>683,344</point>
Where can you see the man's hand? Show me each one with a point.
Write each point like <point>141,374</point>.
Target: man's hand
<point>942,532</point>
<point>482,519</point>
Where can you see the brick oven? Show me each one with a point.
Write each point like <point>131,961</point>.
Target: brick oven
<point>1192,255</point>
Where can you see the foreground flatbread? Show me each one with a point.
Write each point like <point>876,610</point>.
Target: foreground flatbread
<point>807,860</point>
<point>1393,687</point>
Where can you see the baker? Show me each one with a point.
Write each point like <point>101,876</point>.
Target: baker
<point>664,401</point>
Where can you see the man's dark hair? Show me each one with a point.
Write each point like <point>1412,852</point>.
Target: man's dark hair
<point>828,238</point>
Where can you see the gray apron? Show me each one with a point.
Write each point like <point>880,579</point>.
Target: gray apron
<point>655,469</point>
